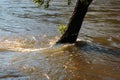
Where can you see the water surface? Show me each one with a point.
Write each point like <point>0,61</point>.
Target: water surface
<point>28,32</point>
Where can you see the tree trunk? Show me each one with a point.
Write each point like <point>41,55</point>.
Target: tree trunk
<point>75,22</point>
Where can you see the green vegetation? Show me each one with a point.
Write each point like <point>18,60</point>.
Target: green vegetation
<point>41,2</point>
<point>62,28</point>
<point>46,3</point>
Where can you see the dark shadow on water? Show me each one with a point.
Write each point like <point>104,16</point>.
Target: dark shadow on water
<point>92,47</point>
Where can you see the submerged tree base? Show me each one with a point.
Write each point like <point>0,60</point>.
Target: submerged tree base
<point>75,22</point>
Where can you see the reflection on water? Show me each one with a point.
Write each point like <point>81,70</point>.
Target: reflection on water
<point>27,33</point>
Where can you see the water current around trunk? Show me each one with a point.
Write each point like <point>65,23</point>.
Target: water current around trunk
<point>28,32</point>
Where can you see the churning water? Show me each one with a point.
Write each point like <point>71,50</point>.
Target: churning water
<point>27,34</point>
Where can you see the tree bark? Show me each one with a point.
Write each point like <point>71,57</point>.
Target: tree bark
<point>75,22</point>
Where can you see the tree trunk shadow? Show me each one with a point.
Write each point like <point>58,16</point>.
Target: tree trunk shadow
<point>93,47</point>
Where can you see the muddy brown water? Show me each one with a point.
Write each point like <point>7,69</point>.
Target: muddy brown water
<point>27,34</point>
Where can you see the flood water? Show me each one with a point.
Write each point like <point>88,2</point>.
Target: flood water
<point>28,32</point>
